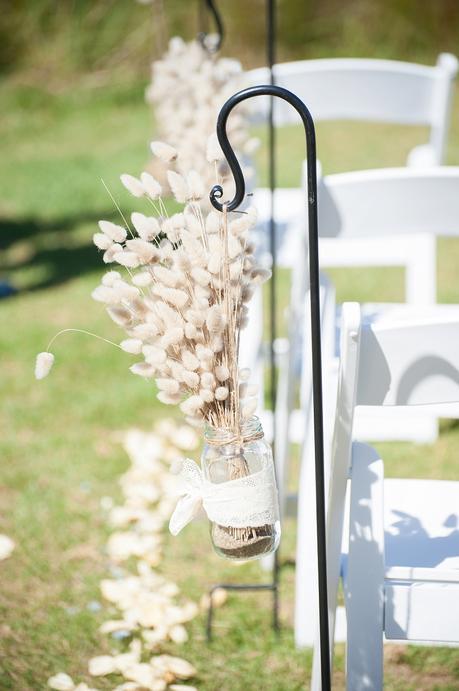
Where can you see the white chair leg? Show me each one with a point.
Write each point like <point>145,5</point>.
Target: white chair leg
<point>306,561</point>
<point>364,573</point>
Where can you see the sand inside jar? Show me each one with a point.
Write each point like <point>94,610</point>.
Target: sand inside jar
<point>243,543</point>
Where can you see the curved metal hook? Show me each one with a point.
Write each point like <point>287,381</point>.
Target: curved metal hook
<point>314,292</point>
<point>203,36</point>
<point>308,123</point>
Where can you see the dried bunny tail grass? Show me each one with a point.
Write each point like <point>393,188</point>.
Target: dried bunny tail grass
<point>101,241</point>
<point>166,276</point>
<point>196,189</point>
<point>168,315</point>
<point>144,250</point>
<point>142,279</point>
<point>167,398</point>
<point>172,337</point>
<point>105,294</point>
<point>197,317</point>
<point>260,275</point>
<point>221,393</point>
<point>113,231</point>
<point>190,361</point>
<point>201,276</point>
<point>132,346</point>
<point>146,226</point>
<point>214,154</point>
<point>212,223</point>
<point>128,259</point>
<point>143,369</point>
<point>43,364</point>
<point>174,296</point>
<point>163,151</point>
<point>190,406</point>
<point>120,315</point>
<point>191,379</point>
<point>178,186</point>
<point>110,277</point>
<point>248,408</point>
<point>109,255</point>
<point>195,250</point>
<point>154,355</point>
<point>222,373</point>
<point>169,386</point>
<point>215,320</point>
<point>208,380</point>
<point>133,185</point>
<point>45,360</point>
<point>151,186</point>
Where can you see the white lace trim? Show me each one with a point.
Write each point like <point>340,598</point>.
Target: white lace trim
<point>247,501</point>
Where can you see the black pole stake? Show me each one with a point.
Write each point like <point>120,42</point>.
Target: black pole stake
<point>270,56</point>
<point>202,36</point>
<point>314,290</point>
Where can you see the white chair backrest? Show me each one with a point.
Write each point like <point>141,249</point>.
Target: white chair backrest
<point>391,201</point>
<point>412,361</point>
<point>409,363</point>
<point>368,89</point>
<point>384,364</point>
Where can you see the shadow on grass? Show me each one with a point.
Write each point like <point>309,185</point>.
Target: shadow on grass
<point>49,251</point>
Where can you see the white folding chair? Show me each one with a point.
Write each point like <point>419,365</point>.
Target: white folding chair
<point>400,557</point>
<point>353,205</point>
<point>370,90</point>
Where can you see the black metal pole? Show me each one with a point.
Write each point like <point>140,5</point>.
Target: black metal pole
<point>202,36</point>
<point>270,56</point>
<point>314,290</point>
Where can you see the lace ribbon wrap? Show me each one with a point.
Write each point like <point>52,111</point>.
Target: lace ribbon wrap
<point>247,501</point>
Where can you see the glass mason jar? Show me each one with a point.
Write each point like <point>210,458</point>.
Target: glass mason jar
<point>244,518</point>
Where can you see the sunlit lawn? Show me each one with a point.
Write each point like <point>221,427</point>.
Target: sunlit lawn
<point>58,457</point>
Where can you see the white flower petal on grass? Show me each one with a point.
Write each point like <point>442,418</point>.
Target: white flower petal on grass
<point>133,185</point>
<point>145,675</point>
<point>163,151</point>
<point>102,665</point>
<point>151,185</point>
<point>178,634</point>
<point>113,231</point>
<point>61,682</point>
<point>43,365</point>
<point>181,668</point>
<point>182,687</point>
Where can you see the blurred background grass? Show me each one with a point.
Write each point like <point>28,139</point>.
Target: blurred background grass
<point>72,82</point>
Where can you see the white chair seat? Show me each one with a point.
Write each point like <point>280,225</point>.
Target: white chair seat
<point>421,519</point>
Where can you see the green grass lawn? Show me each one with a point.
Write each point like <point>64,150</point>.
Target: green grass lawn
<point>57,454</point>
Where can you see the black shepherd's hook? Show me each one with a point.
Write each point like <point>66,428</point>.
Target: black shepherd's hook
<point>217,193</point>
<point>203,37</point>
